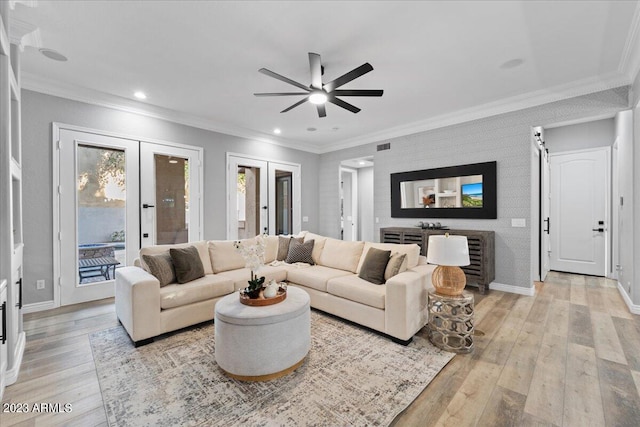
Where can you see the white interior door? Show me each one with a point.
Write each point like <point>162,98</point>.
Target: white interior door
<point>170,202</point>
<point>248,197</point>
<point>284,198</point>
<point>98,219</point>
<point>579,211</point>
<point>545,201</point>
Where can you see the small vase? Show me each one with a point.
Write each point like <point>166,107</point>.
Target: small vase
<point>253,294</point>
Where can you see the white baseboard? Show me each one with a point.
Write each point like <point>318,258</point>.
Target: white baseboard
<point>38,306</point>
<point>633,308</point>
<point>513,289</point>
<point>11,376</point>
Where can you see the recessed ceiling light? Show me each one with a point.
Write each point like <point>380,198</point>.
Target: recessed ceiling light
<point>53,54</point>
<point>512,63</point>
<point>140,95</point>
<point>312,129</point>
<point>362,163</point>
<point>277,131</point>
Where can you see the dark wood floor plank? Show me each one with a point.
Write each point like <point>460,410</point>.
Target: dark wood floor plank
<point>580,331</point>
<point>504,408</point>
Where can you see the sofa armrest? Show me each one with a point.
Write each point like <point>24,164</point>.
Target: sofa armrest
<point>406,310</point>
<point>138,302</point>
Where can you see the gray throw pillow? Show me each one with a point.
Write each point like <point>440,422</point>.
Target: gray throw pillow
<point>397,264</point>
<point>283,246</point>
<point>187,263</point>
<point>161,266</point>
<point>300,252</point>
<point>374,265</point>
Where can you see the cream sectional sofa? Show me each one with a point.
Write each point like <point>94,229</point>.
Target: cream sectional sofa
<point>397,308</point>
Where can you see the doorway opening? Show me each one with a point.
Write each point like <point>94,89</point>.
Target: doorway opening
<point>263,196</point>
<point>356,199</point>
<point>572,181</point>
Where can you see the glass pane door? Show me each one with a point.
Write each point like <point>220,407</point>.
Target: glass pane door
<point>98,213</point>
<point>170,194</point>
<point>172,198</point>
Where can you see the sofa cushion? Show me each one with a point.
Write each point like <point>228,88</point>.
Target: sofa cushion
<point>317,246</point>
<point>241,277</point>
<point>202,289</point>
<point>374,266</point>
<point>186,263</point>
<point>300,252</point>
<point>315,277</point>
<point>201,246</point>
<point>225,257</point>
<point>284,242</point>
<point>271,249</point>
<point>341,255</point>
<point>161,266</point>
<point>412,251</point>
<point>396,265</point>
<point>355,289</point>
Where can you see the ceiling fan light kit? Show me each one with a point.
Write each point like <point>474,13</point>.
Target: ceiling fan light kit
<point>318,93</point>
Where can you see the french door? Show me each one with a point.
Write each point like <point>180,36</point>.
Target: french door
<point>262,197</point>
<point>98,212</point>
<point>580,211</point>
<point>114,196</point>
<point>170,194</point>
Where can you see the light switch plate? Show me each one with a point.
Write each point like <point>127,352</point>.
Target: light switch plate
<point>305,219</point>
<point>518,222</point>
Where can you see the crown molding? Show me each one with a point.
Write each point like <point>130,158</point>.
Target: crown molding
<point>22,33</point>
<point>630,59</point>
<point>515,103</point>
<point>507,105</point>
<point>94,97</point>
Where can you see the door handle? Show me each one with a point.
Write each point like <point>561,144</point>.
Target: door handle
<point>3,308</point>
<point>265,207</point>
<point>546,230</point>
<point>599,230</point>
<point>146,206</point>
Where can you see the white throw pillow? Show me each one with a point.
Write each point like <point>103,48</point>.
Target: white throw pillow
<point>340,254</point>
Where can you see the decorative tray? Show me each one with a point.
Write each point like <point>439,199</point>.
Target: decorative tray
<point>261,300</point>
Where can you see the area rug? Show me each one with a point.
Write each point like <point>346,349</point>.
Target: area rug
<point>351,377</point>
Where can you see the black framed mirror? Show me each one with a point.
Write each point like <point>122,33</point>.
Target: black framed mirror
<point>465,191</point>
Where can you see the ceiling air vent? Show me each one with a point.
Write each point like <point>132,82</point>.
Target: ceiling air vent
<point>385,146</point>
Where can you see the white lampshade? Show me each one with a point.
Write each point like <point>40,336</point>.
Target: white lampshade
<point>448,250</point>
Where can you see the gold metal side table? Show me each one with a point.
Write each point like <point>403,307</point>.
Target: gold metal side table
<point>451,322</point>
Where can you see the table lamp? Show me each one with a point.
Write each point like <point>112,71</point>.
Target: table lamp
<point>448,252</point>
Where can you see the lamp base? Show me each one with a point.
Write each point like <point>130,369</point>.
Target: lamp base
<point>448,280</point>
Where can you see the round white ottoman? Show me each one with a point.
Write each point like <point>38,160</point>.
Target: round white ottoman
<point>262,343</point>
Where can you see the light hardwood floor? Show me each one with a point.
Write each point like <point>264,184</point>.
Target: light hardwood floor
<point>570,356</point>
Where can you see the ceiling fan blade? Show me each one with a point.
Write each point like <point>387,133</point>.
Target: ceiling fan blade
<point>316,70</point>
<point>295,105</point>
<point>283,78</point>
<point>322,111</point>
<point>281,94</point>
<point>357,92</point>
<point>346,78</point>
<point>343,104</point>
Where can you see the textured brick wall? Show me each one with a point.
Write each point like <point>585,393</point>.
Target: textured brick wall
<point>505,138</point>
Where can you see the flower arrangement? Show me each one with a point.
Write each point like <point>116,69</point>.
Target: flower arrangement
<point>254,259</point>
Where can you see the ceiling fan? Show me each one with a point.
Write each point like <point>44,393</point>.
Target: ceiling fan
<point>318,93</point>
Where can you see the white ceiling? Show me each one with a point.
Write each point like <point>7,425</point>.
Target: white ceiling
<point>438,62</point>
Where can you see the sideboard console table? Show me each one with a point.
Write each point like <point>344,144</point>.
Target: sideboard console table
<point>480,272</point>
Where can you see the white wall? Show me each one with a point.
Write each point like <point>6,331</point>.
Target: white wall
<point>599,133</point>
<point>365,204</point>
<point>39,111</point>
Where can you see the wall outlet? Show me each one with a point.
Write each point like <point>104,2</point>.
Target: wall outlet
<point>305,219</point>
<point>40,284</point>
<point>377,220</point>
<point>518,222</point>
